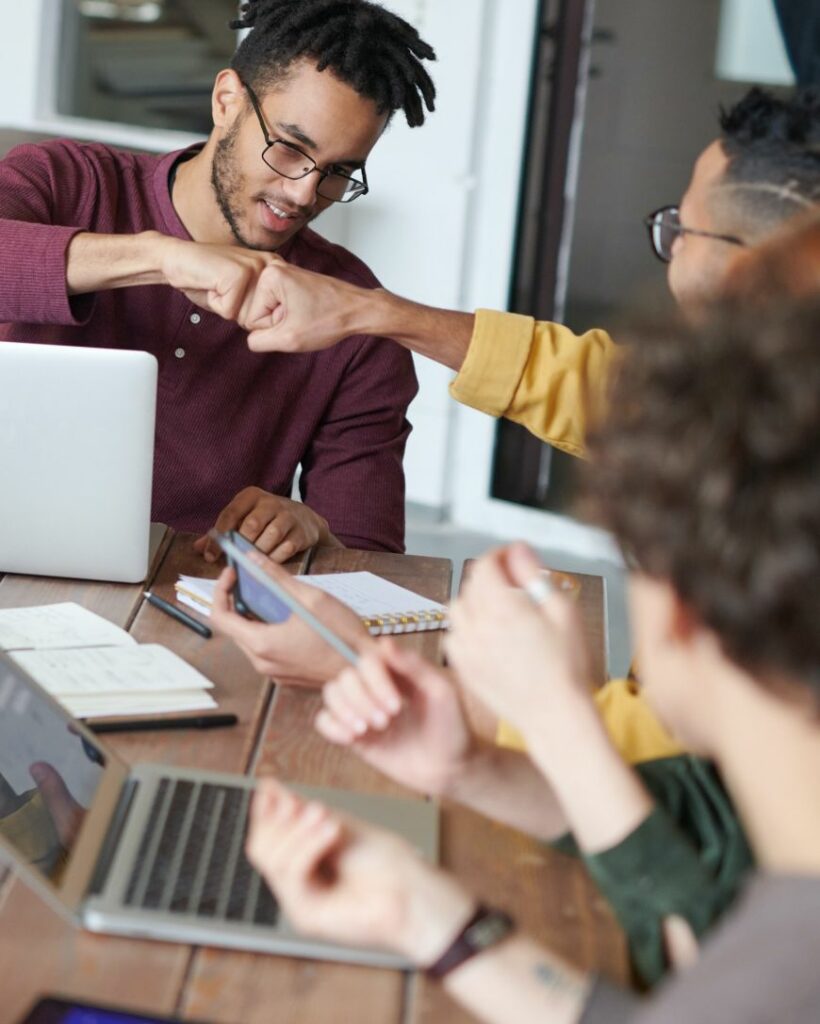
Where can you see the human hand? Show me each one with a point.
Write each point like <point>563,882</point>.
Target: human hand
<point>289,651</point>
<point>296,310</point>
<point>528,663</point>
<point>344,881</point>
<point>220,278</point>
<point>402,716</point>
<point>65,812</point>
<point>279,527</point>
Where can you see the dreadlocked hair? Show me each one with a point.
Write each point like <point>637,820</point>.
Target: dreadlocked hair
<point>370,49</point>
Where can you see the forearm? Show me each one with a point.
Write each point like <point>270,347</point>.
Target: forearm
<point>101,262</point>
<point>505,785</point>
<point>440,334</point>
<point>603,798</point>
<point>519,981</point>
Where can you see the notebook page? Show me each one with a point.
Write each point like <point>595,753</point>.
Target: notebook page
<point>113,671</point>
<point>370,595</point>
<point>57,625</point>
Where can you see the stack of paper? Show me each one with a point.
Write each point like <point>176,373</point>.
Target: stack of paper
<point>94,668</point>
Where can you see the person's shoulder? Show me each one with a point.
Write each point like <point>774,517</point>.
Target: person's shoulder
<point>66,154</point>
<point>314,252</point>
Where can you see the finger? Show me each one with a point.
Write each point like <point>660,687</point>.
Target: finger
<point>356,691</point>
<point>229,518</point>
<point>333,730</point>
<point>412,666</point>
<point>59,802</point>
<point>315,842</point>
<point>200,543</point>
<point>293,544</point>
<point>274,530</point>
<point>222,591</point>
<point>336,701</point>
<point>377,676</point>
<point>288,837</point>
<point>522,564</point>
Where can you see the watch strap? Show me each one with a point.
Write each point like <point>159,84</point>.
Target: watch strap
<point>485,929</point>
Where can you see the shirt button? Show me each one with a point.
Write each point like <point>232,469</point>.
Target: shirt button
<point>180,353</point>
<point>195,318</point>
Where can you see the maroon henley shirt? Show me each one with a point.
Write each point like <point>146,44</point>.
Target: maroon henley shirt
<point>227,418</point>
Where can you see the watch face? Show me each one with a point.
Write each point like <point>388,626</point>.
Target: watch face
<point>488,930</point>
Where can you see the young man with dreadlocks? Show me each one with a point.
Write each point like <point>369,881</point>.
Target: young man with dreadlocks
<point>105,248</point>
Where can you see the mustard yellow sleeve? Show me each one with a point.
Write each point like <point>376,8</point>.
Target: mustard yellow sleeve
<point>538,374</point>
<point>630,722</point>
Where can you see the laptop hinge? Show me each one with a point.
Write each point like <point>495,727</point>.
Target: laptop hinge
<point>112,837</point>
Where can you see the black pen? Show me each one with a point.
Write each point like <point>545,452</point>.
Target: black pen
<point>149,724</point>
<point>179,615</point>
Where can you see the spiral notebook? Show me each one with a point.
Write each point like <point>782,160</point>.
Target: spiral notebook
<point>383,607</point>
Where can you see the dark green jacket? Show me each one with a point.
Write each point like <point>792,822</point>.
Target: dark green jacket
<point>688,858</point>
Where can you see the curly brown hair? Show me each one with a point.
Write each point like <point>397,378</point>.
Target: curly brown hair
<point>707,470</point>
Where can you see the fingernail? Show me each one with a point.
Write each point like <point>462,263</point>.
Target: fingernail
<point>37,773</point>
<point>360,727</point>
<point>209,557</point>
<point>379,719</point>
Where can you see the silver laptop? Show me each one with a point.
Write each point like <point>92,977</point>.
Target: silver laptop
<point>76,461</point>
<point>151,850</point>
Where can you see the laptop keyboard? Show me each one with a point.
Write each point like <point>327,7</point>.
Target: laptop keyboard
<point>191,859</point>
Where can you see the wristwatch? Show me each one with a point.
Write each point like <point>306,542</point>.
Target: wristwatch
<point>486,928</point>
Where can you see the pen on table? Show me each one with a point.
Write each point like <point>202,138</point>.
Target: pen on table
<point>179,615</point>
<point>149,724</point>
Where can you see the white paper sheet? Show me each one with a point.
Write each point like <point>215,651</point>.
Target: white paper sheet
<point>48,626</point>
<point>84,672</point>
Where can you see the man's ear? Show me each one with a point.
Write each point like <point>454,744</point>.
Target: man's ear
<point>227,99</point>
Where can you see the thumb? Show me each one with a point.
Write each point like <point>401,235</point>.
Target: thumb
<point>60,804</point>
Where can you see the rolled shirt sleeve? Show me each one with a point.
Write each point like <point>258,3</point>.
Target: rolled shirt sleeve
<point>538,374</point>
<point>40,188</point>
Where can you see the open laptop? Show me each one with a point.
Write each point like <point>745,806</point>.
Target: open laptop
<point>76,461</point>
<point>152,850</point>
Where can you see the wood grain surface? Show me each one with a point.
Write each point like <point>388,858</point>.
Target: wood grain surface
<point>549,894</point>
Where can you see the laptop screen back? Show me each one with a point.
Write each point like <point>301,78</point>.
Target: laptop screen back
<point>49,774</point>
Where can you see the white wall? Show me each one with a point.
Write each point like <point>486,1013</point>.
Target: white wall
<point>439,223</point>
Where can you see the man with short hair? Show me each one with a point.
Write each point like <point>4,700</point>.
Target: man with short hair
<point>762,171</point>
<point>91,238</point>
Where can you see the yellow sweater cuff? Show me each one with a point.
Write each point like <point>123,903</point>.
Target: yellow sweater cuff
<point>495,361</point>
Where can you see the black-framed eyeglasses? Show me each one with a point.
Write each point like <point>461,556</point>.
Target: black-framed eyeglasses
<point>664,226</point>
<point>291,162</point>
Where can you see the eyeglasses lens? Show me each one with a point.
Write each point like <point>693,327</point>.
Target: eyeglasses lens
<point>665,229</point>
<point>292,163</point>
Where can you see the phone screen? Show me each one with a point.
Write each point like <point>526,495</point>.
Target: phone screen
<point>58,1011</point>
<point>250,597</point>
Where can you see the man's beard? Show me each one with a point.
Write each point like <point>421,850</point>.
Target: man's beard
<point>227,184</point>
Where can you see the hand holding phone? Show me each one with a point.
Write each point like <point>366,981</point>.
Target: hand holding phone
<point>258,595</point>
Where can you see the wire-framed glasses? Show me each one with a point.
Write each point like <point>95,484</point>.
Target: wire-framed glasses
<point>664,226</point>
<point>291,162</point>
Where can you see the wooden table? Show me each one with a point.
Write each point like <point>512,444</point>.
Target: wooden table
<point>548,894</point>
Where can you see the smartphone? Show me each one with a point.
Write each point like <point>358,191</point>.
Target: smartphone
<point>258,596</point>
<point>250,597</point>
<point>61,1011</point>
